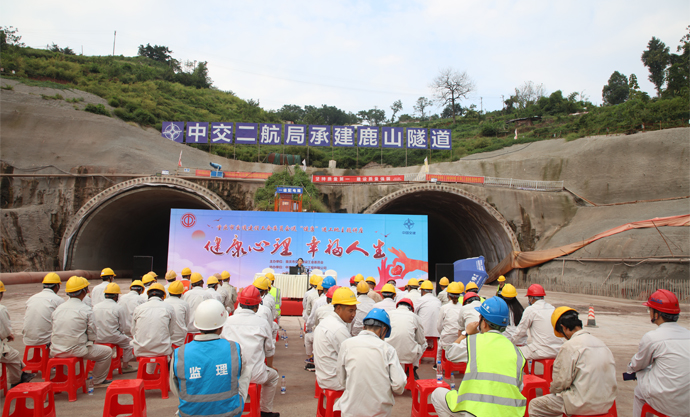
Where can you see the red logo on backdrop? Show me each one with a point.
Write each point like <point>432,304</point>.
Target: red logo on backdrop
<point>188,220</point>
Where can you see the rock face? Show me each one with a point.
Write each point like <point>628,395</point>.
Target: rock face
<point>56,159</point>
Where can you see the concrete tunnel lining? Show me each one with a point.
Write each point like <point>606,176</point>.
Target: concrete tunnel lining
<point>130,219</point>
<point>461,225</point>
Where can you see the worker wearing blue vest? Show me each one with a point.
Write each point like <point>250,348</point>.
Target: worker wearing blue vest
<point>209,374</point>
<point>492,383</point>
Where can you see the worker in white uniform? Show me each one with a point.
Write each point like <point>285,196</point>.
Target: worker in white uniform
<point>388,302</point>
<point>38,317</point>
<point>148,280</point>
<point>363,308</point>
<point>372,293</point>
<point>107,276</point>
<point>109,318</point>
<point>428,308</point>
<point>153,325</point>
<point>310,296</point>
<point>329,336</point>
<point>320,313</point>
<point>370,370</point>
<point>186,275</point>
<point>254,335</point>
<point>584,372</point>
<point>261,284</point>
<point>9,356</point>
<point>448,324</point>
<point>309,330</point>
<point>407,334</point>
<point>412,288</point>
<point>229,291</point>
<point>509,295</point>
<point>469,313</point>
<point>661,364</point>
<point>443,294</point>
<point>182,313</point>
<point>130,302</point>
<point>194,297</point>
<point>170,277</point>
<point>536,319</point>
<point>74,332</point>
<point>472,287</point>
<point>326,284</point>
<point>212,284</point>
<point>267,299</point>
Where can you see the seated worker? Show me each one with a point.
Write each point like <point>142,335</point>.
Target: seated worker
<point>107,276</point>
<point>388,302</point>
<point>472,287</point>
<point>372,293</point>
<point>8,355</point>
<point>536,319</point>
<point>38,321</point>
<point>443,294</point>
<point>313,294</point>
<point>407,334</point>
<point>229,291</point>
<point>170,277</point>
<point>194,297</point>
<point>468,312</point>
<point>153,325</point>
<point>363,308</point>
<point>182,314</point>
<point>130,302</point>
<point>448,324</point>
<point>428,308</point>
<point>412,289</point>
<point>111,322</point>
<point>509,295</point>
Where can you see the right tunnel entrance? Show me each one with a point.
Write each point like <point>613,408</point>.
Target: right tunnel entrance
<point>460,224</point>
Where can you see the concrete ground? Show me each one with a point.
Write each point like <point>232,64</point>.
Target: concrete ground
<point>621,325</point>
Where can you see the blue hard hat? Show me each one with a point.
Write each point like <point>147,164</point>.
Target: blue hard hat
<point>381,315</point>
<point>495,310</point>
<point>328,282</point>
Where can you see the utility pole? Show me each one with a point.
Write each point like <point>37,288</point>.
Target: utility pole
<point>481,105</point>
<point>503,103</point>
<point>114,36</point>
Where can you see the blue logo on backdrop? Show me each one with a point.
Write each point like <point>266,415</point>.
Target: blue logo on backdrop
<point>409,224</point>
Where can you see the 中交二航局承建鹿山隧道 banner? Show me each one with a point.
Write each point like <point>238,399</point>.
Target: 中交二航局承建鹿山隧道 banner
<point>245,242</point>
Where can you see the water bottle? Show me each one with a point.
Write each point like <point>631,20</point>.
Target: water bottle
<point>301,333</point>
<point>283,387</point>
<point>89,385</point>
<point>452,381</point>
<point>439,373</point>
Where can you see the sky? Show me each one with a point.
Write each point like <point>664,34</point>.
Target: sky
<point>357,55</point>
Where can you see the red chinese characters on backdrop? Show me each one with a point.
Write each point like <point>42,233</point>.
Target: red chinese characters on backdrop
<point>285,244</point>
<point>313,246</point>
<point>334,248</point>
<point>354,246</point>
<point>379,250</point>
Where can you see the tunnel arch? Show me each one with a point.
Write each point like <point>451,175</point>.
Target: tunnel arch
<point>130,219</point>
<point>461,225</point>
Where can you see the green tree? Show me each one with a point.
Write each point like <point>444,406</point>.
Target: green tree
<point>291,113</point>
<point>678,75</point>
<point>55,48</point>
<point>656,58</point>
<point>373,116</point>
<point>265,196</point>
<point>449,111</point>
<point>396,107</point>
<point>9,35</point>
<point>158,53</point>
<point>617,89</point>
<point>422,104</point>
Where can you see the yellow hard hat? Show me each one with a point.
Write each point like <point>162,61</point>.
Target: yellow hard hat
<point>112,288</point>
<point>2,287</point>
<point>176,287</point>
<point>186,272</point>
<point>270,276</point>
<point>319,287</point>
<point>509,291</point>
<point>557,313</point>
<point>359,278</point>
<point>170,275</point>
<point>363,287</point>
<point>211,280</point>
<point>315,279</point>
<point>427,285</point>
<point>136,283</point>
<point>224,275</point>
<point>471,285</point>
<point>107,271</point>
<point>371,279</point>
<point>156,286</point>
<point>51,278</point>
<point>261,283</point>
<point>196,277</point>
<point>75,283</point>
<point>388,288</point>
<point>147,278</point>
<point>501,278</point>
<point>153,274</point>
<point>455,288</point>
<point>413,282</point>
<point>443,281</point>
<point>344,296</point>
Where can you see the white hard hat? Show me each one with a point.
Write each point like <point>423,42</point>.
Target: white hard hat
<point>210,315</point>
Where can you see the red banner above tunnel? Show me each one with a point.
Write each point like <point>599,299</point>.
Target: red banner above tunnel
<point>455,178</point>
<point>356,178</point>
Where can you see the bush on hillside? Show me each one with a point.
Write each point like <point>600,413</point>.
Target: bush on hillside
<point>97,109</point>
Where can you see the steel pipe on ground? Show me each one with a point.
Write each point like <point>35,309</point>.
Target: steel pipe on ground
<point>12,278</point>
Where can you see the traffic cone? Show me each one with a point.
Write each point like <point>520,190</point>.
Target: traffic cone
<point>591,321</point>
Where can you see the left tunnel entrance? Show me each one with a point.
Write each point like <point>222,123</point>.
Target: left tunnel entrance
<point>130,219</point>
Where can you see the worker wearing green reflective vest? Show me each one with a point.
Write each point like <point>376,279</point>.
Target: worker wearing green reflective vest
<point>492,383</point>
<point>275,293</point>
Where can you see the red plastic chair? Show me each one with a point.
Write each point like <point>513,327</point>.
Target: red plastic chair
<point>421,406</point>
<point>648,409</point>
<point>158,378</point>
<point>3,379</point>
<point>448,367</point>
<point>317,389</point>
<point>547,374</point>
<point>432,345</point>
<point>39,392</point>
<point>330,397</point>
<point>252,407</point>
<point>612,413</point>
<point>409,371</point>
<point>38,361</point>
<point>68,382</point>
<point>531,384</point>
<point>115,360</point>
<point>133,387</point>
<point>189,337</point>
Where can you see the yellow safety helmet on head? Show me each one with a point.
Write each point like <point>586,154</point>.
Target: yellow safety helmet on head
<point>557,313</point>
<point>75,283</point>
<point>224,275</point>
<point>314,280</point>
<point>112,288</point>
<point>319,287</point>
<point>363,287</point>
<point>261,283</point>
<point>156,286</point>
<point>107,272</point>
<point>196,277</point>
<point>51,278</point>
<point>2,287</point>
<point>176,287</point>
<point>147,278</point>
<point>153,274</point>
<point>344,296</point>
<point>443,281</point>
<point>427,285</point>
<point>413,282</point>
<point>359,278</point>
<point>212,280</point>
<point>371,279</point>
<point>185,272</point>
<point>471,286</point>
<point>455,288</point>
<point>170,275</point>
<point>509,291</point>
<point>388,288</point>
<point>136,283</point>
<point>501,278</point>
<point>270,276</point>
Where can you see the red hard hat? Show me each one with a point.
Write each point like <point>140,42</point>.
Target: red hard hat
<point>664,301</point>
<point>535,290</point>
<point>469,295</point>
<point>352,281</point>
<point>250,296</point>
<point>406,301</point>
<point>331,291</point>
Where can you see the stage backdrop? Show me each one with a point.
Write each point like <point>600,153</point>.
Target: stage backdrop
<point>245,242</point>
